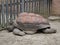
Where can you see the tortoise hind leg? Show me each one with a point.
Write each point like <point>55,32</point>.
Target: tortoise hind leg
<point>49,30</point>
<point>18,32</point>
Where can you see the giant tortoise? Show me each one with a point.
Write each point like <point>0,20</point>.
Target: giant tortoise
<point>30,23</point>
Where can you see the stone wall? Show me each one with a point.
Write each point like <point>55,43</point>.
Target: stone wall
<point>56,7</point>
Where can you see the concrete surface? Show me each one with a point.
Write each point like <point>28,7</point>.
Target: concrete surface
<point>54,18</point>
<point>7,38</point>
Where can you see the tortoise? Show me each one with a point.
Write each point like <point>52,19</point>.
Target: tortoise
<point>30,23</point>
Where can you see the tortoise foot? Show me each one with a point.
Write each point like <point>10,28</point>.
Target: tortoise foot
<point>18,32</point>
<point>48,31</point>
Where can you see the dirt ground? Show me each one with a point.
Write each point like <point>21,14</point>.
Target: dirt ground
<point>7,38</point>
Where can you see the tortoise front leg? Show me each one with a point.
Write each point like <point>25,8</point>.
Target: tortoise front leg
<point>16,31</point>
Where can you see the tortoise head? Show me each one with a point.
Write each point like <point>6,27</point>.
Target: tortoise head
<point>11,22</point>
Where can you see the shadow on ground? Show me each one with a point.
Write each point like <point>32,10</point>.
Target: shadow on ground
<point>36,39</point>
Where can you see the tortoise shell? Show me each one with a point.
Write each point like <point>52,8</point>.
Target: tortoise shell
<point>30,18</point>
<point>30,21</point>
